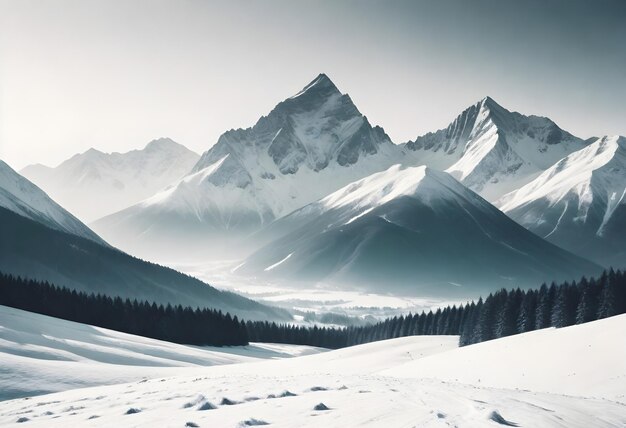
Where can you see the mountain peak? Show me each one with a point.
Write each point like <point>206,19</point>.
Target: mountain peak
<point>397,181</point>
<point>490,103</point>
<point>162,143</point>
<point>321,84</point>
<point>93,152</point>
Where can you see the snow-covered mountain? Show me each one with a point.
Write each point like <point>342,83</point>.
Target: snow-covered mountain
<point>22,197</point>
<point>40,240</point>
<point>494,151</point>
<point>93,184</point>
<point>414,231</point>
<point>579,203</point>
<point>308,146</point>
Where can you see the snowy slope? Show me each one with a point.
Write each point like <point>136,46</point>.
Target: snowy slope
<point>22,197</point>
<point>494,151</point>
<point>584,360</point>
<point>579,203</point>
<point>308,146</point>
<point>574,378</point>
<point>93,184</point>
<point>41,354</point>
<point>413,231</point>
<point>32,250</point>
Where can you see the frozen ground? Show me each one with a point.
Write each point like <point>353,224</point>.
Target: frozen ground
<point>571,377</point>
<point>40,354</point>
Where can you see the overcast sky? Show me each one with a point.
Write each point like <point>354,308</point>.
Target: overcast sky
<point>115,74</point>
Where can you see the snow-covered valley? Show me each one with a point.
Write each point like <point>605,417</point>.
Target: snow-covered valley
<point>570,377</point>
<point>321,298</point>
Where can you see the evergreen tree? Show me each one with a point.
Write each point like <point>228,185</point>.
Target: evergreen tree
<point>528,312</point>
<point>484,329</point>
<point>545,300</point>
<point>587,309</point>
<point>507,316</point>
<point>608,295</point>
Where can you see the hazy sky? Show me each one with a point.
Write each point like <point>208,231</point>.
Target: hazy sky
<point>115,74</point>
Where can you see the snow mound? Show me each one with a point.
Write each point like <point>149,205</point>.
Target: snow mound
<point>321,406</point>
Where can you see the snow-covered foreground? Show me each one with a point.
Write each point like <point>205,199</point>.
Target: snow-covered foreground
<point>572,377</point>
<point>40,354</point>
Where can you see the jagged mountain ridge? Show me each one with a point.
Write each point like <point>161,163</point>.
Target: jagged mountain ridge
<point>94,183</point>
<point>307,147</point>
<point>494,151</point>
<point>579,203</point>
<point>413,231</point>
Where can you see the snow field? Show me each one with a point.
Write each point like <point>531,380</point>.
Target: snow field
<point>395,383</point>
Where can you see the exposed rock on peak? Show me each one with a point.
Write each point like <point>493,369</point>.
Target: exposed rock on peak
<point>493,150</point>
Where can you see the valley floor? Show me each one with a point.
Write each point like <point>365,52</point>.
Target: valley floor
<point>571,377</point>
<point>319,298</point>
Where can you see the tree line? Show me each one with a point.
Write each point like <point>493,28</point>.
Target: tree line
<point>508,312</point>
<point>503,313</point>
<point>511,312</point>
<point>324,337</point>
<point>177,324</point>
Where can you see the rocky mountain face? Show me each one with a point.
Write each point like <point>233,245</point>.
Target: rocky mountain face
<point>308,146</point>
<point>93,184</point>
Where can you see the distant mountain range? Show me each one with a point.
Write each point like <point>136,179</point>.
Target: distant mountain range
<point>247,196</point>
<point>93,184</point>
<point>41,240</point>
